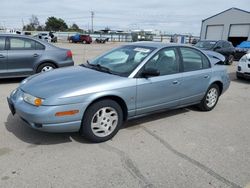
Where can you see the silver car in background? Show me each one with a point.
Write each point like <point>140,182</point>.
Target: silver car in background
<point>21,56</point>
<point>129,81</point>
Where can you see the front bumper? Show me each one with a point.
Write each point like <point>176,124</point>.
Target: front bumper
<point>243,75</point>
<point>43,117</point>
<point>243,70</point>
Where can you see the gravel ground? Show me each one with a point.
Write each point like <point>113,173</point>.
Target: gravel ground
<point>180,148</point>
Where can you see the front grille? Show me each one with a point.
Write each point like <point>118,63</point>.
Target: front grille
<point>248,65</point>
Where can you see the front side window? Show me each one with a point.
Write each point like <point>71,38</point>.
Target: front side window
<point>193,60</point>
<point>165,61</point>
<point>2,43</point>
<point>121,61</point>
<point>21,44</point>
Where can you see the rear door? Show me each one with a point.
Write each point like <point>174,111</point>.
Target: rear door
<point>196,75</point>
<point>3,57</point>
<point>22,55</point>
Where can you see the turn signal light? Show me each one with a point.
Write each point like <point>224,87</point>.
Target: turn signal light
<point>67,113</point>
<point>38,102</point>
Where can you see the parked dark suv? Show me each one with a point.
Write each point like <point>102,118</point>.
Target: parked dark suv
<point>221,46</point>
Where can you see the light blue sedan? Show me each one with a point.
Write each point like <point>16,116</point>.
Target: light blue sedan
<point>135,79</point>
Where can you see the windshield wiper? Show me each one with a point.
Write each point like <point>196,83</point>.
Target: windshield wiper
<point>101,68</point>
<point>84,65</point>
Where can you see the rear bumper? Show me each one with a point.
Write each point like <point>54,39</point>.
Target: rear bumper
<point>66,63</point>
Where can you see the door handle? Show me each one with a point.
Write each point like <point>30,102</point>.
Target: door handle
<point>2,56</point>
<point>35,55</point>
<point>175,82</point>
<point>206,76</point>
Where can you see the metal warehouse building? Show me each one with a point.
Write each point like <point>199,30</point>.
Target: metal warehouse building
<point>232,25</point>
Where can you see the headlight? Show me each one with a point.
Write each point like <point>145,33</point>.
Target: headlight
<point>32,100</point>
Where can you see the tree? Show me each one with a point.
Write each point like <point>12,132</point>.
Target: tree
<point>34,22</point>
<point>75,27</point>
<point>55,24</point>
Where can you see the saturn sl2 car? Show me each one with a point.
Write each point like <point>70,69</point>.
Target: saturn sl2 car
<point>95,98</point>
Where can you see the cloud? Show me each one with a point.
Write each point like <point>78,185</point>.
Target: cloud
<point>175,16</point>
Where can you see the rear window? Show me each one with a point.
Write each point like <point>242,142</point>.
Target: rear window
<point>2,43</point>
<point>39,46</point>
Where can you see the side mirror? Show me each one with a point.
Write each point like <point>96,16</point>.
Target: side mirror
<point>149,72</point>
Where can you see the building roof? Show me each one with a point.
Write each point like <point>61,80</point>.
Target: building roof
<point>233,8</point>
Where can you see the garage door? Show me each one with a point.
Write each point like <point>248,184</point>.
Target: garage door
<point>214,32</point>
<point>239,30</point>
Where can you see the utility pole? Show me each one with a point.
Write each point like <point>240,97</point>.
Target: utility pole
<point>92,21</point>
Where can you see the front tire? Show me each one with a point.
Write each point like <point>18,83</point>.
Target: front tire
<point>101,121</point>
<point>210,99</point>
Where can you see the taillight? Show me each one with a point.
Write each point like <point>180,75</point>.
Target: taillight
<point>69,53</point>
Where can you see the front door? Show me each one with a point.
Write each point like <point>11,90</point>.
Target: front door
<point>159,92</point>
<point>22,55</point>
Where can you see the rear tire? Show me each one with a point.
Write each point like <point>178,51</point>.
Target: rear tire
<point>210,99</point>
<point>45,67</point>
<point>101,121</point>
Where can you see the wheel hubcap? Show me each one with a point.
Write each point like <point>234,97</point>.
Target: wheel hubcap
<point>46,68</point>
<point>212,97</point>
<point>104,121</point>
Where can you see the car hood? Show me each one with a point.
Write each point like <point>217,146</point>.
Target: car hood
<point>68,82</point>
<point>215,58</point>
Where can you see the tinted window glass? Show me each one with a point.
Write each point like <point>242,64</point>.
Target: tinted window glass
<point>205,62</point>
<point>39,46</point>
<point>2,43</point>
<point>192,59</point>
<point>226,45</point>
<point>219,44</point>
<point>165,61</point>
<point>21,44</point>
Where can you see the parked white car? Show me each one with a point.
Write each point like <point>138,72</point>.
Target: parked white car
<point>48,37</point>
<point>243,69</point>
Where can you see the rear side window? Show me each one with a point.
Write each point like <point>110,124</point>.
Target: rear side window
<point>39,46</point>
<point>2,43</point>
<point>21,44</point>
<point>193,60</point>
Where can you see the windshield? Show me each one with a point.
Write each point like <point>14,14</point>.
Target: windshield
<point>205,44</point>
<point>121,61</point>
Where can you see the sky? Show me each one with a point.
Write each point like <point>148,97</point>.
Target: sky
<point>170,16</point>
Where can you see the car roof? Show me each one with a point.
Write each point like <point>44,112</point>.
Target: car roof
<point>27,37</point>
<point>156,44</point>
<point>212,40</point>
